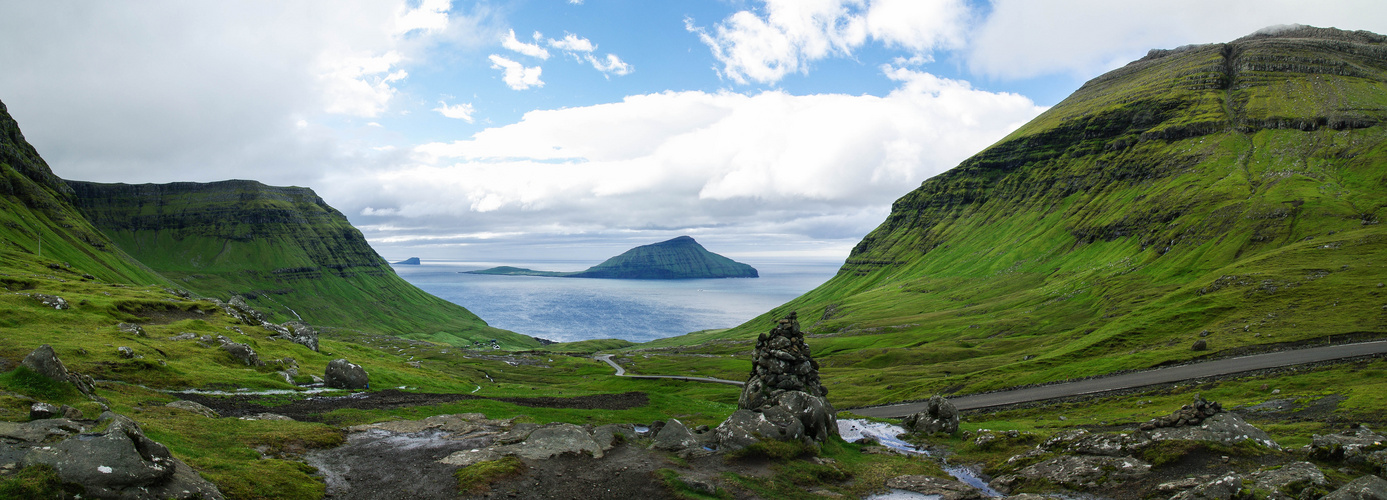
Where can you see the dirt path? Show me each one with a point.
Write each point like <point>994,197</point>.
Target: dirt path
<point>1214,368</point>
<point>621,372</point>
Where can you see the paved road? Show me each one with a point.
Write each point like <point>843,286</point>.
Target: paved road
<point>621,372</point>
<point>1139,379</point>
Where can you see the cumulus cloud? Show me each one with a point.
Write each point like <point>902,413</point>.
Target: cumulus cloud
<point>572,43</point>
<point>529,49</point>
<point>1022,39</point>
<point>461,111</point>
<point>359,85</point>
<point>790,34</point>
<point>430,16</point>
<point>813,166</point>
<point>611,65</point>
<point>517,76</point>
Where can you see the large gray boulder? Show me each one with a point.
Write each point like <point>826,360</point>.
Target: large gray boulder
<point>44,361</point>
<point>1079,472</point>
<point>939,416</point>
<point>343,374</point>
<point>121,463</point>
<point>243,353</point>
<point>1363,488</point>
<point>299,333</point>
<point>555,439</point>
<point>675,436</point>
<point>1359,445</point>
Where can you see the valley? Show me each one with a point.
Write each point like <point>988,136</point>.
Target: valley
<point>1195,207</point>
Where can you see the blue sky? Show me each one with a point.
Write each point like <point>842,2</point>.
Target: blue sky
<point>560,129</point>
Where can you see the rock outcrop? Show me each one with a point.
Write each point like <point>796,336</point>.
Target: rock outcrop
<point>783,398</point>
<point>119,462</point>
<point>343,374</point>
<point>1363,488</point>
<point>44,361</point>
<point>1190,414</point>
<point>1359,445</point>
<point>939,416</point>
<point>1080,472</point>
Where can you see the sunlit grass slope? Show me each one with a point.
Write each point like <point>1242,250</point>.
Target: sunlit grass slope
<point>283,248</point>
<point>1226,192</point>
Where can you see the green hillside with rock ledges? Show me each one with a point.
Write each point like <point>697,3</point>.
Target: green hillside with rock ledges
<point>1230,193</point>
<point>283,248</point>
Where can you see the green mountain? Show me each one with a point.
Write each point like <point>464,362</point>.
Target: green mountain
<point>679,258</point>
<point>40,226</point>
<point>1230,193</point>
<point>283,248</point>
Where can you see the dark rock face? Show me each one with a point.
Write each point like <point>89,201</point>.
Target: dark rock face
<point>118,463</point>
<point>783,398</point>
<point>939,416</point>
<point>343,374</point>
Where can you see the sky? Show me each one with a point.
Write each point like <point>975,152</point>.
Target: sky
<point>575,129</point>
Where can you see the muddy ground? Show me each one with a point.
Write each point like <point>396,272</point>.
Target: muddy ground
<point>311,409</point>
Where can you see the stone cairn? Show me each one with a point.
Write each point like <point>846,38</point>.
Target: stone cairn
<point>783,398</point>
<point>781,363</point>
<point>1190,414</point>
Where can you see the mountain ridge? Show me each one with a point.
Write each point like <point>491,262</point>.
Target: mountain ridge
<point>1228,192</point>
<point>283,248</point>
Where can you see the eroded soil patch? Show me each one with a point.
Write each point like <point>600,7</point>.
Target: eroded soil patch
<point>311,409</point>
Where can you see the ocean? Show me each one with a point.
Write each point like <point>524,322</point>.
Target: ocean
<point>572,309</point>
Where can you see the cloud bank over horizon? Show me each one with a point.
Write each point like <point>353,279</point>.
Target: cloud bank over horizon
<point>779,127</point>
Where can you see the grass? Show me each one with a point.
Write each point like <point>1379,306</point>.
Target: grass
<point>38,482</point>
<point>477,478</point>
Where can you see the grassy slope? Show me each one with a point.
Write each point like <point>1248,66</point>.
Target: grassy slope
<point>37,218</point>
<point>286,249</point>
<point>1230,188</point>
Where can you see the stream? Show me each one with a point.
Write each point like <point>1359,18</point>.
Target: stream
<point>856,429</point>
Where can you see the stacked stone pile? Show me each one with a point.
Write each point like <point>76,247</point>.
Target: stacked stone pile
<point>783,398</point>
<point>1191,414</point>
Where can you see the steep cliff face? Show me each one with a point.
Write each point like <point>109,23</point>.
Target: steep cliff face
<point>1227,192</point>
<point>38,223</point>
<point>283,248</point>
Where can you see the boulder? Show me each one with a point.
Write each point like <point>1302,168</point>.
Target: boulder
<point>1274,482</point>
<point>121,463</point>
<point>242,353</point>
<point>1200,345</point>
<point>555,439</point>
<point>125,352</point>
<point>1363,488</point>
<point>194,407</point>
<point>1079,472</point>
<point>674,436</point>
<point>53,301</point>
<point>608,436</point>
<point>299,333</point>
<point>1359,445</point>
<point>132,329</point>
<point>343,374</point>
<point>946,489</point>
<point>939,416</point>
<point>44,361</point>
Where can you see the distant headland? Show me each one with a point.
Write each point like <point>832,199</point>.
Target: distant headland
<point>412,261</point>
<point>679,258</point>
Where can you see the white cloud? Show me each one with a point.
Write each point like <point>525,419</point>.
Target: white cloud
<point>1022,38</point>
<point>611,64</point>
<point>814,166</point>
<point>359,85</point>
<point>530,49</point>
<point>572,43</point>
<point>517,76</point>
<point>430,16</point>
<point>792,33</point>
<point>461,111</point>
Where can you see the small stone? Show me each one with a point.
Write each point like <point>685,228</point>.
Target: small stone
<point>125,352</point>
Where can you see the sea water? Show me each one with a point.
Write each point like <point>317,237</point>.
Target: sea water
<point>572,309</point>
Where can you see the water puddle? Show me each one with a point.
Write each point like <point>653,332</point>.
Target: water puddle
<point>856,429</point>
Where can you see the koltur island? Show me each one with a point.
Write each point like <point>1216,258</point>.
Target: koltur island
<point>679,258</point>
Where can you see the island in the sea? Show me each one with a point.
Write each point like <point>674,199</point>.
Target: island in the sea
<point>679,258</point>
<point>412,261</point>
